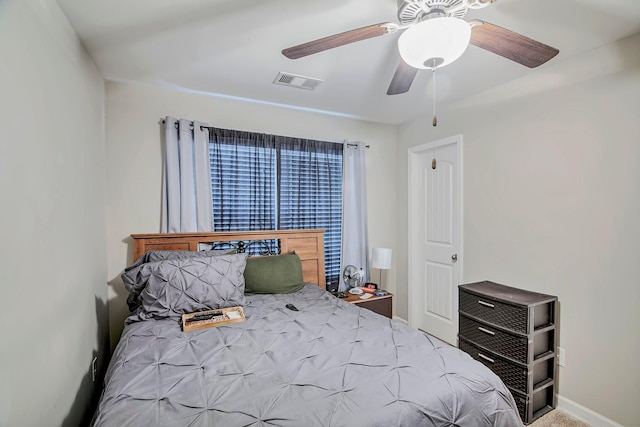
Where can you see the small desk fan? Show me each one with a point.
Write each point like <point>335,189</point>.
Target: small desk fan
<point>352,276</point>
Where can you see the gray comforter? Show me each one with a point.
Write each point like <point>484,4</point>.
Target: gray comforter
<point>329,364</point>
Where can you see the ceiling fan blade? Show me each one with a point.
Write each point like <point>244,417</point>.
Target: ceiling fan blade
<point>511,45</point>
<point>338,40</point>
<point>402,78</point>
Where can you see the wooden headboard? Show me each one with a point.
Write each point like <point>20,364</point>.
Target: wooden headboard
<point>308,244</point>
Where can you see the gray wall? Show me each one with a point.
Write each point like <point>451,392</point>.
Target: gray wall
<point>551,204</point>
<point>53,253</point>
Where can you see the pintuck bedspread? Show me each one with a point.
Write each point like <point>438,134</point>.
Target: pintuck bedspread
<point>329,364</point>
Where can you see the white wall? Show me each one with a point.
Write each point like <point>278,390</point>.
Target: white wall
<point>552,204</point>
<point>135,167</point>
<point>53,252</point>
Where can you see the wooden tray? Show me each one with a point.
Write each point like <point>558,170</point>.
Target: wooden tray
<point>221,316</point>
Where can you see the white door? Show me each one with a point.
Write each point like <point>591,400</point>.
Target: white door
<point>435,237</point>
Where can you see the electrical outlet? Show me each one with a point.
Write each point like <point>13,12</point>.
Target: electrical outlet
<point>94,368</point>
<point>560,356</point>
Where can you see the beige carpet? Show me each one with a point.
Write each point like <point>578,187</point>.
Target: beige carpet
<point>557,418</point>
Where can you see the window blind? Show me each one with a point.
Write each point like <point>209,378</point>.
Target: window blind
<point>243,183</point>
<point>264,182</point>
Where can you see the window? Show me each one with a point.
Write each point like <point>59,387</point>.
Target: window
<point>269,182</point>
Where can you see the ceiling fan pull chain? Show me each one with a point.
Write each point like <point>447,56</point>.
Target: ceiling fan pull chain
<point>435,119</point>
<point>434,163</point>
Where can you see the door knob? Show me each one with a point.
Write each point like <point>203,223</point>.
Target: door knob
<point>454,257</point>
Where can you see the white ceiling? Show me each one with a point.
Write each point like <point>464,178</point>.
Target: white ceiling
<point>232,48</point>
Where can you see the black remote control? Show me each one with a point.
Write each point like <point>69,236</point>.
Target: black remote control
<point>198,317</point>
<point>291,307</point>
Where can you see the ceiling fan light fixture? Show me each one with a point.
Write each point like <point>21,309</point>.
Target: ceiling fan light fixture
<point>435,41</point>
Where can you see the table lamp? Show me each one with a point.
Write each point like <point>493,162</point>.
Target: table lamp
<point>381,259</point>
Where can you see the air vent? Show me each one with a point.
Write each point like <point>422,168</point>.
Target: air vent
<point>293,80</point>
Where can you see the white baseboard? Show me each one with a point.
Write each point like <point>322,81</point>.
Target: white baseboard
<point>584,414</point>
<point>400,319</point>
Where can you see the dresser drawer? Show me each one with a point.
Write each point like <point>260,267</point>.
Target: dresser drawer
<point>524,379</point>
<point>505,315</point>
<point>532,407</point>
<point>510,345</point>
<point>511,374</point>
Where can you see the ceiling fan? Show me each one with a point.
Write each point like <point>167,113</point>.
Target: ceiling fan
<point>434,35</point>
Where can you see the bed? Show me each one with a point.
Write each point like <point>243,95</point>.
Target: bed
<point>330,363</point>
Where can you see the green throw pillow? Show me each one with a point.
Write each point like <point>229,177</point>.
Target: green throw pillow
<point>277,274</point>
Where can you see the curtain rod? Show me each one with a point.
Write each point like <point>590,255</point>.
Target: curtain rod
<point>348,144</point>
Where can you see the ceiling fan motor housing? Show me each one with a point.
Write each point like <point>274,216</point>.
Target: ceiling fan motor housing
<point>411,11</point>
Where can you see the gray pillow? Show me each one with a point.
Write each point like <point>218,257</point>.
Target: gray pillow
<point>151,256</point>
<point>135,276</point>
<point>178,286</point>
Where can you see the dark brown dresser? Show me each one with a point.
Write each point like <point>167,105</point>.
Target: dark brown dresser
<point>513,332</point>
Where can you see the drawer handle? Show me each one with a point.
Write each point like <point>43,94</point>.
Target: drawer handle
<point>486,304</point>
<point>488,359</point>
<point>486,331</point>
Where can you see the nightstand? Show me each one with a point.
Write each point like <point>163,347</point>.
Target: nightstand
<point>380,305</point>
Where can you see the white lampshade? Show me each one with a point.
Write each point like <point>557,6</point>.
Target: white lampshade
<point>381,258</point>
<point>444,39</point>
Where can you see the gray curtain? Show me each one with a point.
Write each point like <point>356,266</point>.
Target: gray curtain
<point>186,180</point>
<point>355,233</point>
